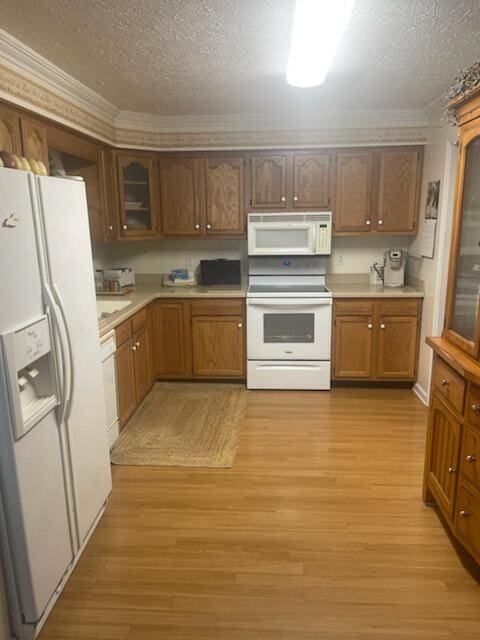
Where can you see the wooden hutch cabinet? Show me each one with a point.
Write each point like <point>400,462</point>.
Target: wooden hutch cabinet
<point>452,460</point>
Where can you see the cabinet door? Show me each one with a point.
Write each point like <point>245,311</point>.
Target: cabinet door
<point>399,182</point>
<point>397,347</point>
<point>218,346</point>
<point>10,132</point>
<point>182,195</point>
<point>126,381</point>
<point>353,341</point>
<point>311,180</point>
<point>443,443</point>
<point>353,202</point>
<point>225,196</point>
<point>171,339</point>
<point>34,140</point>
<point>137,195</point>
<point>143,366</point>
<point>108,193</point>
<point>269,182</point>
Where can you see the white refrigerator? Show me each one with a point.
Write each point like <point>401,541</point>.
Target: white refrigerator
<point>54,459</point>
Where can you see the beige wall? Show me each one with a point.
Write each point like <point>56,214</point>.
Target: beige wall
<point>440,164</point>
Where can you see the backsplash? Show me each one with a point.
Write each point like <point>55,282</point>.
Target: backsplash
<point>349,254</point>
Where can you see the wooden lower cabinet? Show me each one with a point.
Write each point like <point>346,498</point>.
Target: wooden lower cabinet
<point>376,339</point>
<point>198,339</point>
<point>452,452</point>
<point>134,364</point>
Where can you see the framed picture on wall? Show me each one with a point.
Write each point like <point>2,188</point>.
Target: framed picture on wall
<point>431,204</point>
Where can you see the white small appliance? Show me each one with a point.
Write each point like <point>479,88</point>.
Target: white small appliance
<point>394,267</point>
<point>289,234</point>
<point>289,324</point>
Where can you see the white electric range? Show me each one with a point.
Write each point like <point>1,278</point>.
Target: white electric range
<point>289,323</point>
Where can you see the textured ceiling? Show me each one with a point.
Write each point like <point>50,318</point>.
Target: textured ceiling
<point>191,57</point>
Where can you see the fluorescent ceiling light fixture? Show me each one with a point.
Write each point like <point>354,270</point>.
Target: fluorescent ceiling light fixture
<point>318,26</point>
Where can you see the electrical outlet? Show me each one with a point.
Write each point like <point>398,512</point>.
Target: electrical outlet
<point>339,260</point>
<point>189,261</point>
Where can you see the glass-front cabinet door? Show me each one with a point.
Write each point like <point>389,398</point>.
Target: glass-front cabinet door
<point>463,306</point>
<point>137,195</point>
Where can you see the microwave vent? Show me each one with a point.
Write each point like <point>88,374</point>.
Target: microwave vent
<point>289,217</point>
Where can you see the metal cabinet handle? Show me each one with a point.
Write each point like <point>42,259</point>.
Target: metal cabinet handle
<point>471,457</point>
<point>383,326</point>
<point>295,198</point>
<point>380,222</point>
<point>452,470</point>
<point>445,382</point>
<point>476,409</point>
<point>368,222</point>
<point>240,325</point>
<point>209,226</point>
<point>137,344</point>
<point>197,226</point>
<point>464,514</point>
<point>134,348</point>
<point>283,198</point>
<point>124,226</point>
<point>370,325</point>
<point>110,227</point>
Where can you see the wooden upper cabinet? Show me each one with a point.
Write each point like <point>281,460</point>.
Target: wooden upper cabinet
<point>311,180</point>
<point>10,139</point>
<point>354,188</point>
<point>225,195</point>
<point>34,140</point>
<point>137,195</point>
<point>181,191</point>
<point>110,218</point>
<point>269,182</point>
<point>398,191</point>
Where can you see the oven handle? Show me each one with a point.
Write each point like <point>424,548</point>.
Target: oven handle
<point>300,303</point>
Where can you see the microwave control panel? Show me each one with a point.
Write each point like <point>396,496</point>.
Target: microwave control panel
<point>323,241</point>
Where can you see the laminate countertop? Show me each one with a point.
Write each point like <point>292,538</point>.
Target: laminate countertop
<point>358,286</point>
<point>144,294</point>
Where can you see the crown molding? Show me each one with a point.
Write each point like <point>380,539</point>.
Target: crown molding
<point>29,80</point>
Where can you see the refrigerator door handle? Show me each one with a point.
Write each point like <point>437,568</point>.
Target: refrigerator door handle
<point>69,350</point>
<point>62,341</point>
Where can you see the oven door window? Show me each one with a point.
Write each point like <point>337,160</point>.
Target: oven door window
<point>288,328</point>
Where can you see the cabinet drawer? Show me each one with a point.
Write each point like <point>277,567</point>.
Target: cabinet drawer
<point>139,319</point>
<point>123,332</point>
<point>467,519</point>
<point>217,307</point>
<point>354,308</point>
<point>470,460</point>
<point>472,409</point>
<point>449,384</point>
<point>399,307</point>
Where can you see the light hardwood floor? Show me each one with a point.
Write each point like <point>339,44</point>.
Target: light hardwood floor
<point>317,533</point>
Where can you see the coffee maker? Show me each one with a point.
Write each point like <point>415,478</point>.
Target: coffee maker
<point>394,267</point>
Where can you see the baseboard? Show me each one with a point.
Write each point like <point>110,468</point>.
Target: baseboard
<point>419,391</point>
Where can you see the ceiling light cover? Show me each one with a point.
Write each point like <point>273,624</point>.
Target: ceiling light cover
<point>318,26</point>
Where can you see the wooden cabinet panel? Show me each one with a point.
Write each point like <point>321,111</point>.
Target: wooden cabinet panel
<point>218,346</point>
<point>467,520</point>
<point>225,195</point>
<point>397,347</point>
<point>125,381</point>
<point>123,332</point>
<point>181,195</point>
<point>353,341</point>
<point>34,141</point>
<point>108,189</point>
<point>215,307</point>
<point>142,361</point>
<point>470,458</point>
<point>353,202</point>
<point>398,191</point>
<point>449,384</point>
<point>472,410</point>
<point>137,195</point>
<point>443,443</point>
<point>171,339</point>
<point>311,180</point>
<point>269,182</point>
<point>10,139</point>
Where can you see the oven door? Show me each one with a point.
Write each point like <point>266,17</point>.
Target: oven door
<point>281,238</point>
<point>289,328</point>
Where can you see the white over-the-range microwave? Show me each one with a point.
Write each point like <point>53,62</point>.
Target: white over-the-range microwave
<point>294,234</point>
